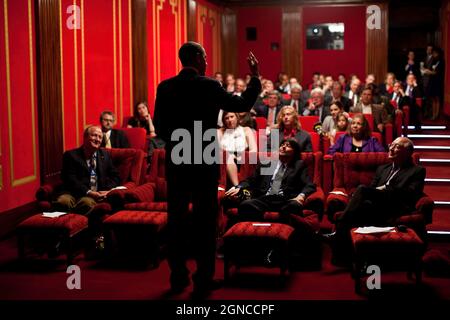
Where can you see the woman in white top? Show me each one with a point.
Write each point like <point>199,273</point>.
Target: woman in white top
<point>235,139</point>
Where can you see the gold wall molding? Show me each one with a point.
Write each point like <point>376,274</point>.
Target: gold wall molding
<point>17,182</point>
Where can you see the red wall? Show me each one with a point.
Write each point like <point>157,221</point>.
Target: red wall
<point>352,58</point>
<point>267,21</point>
<point>166,32</point>
<point>208,33</point>
<point>96,65</point>
<point>19,150</point>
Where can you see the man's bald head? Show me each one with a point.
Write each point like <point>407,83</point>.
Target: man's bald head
<point>192,54</point>
<point>401,150</point>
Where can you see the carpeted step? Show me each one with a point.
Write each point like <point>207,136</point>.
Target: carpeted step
<point>433,154</point>
<point>430,139</point>
<point>441,219</point>
<point>438,190</point>
<point>436,172</point>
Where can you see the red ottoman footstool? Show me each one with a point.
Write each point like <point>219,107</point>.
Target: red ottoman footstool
<point>136,234</point>
<point>65,228</point>
<point>252,243</point>
<point>398,250</point>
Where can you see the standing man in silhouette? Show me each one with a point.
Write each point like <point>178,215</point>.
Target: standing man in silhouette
<point>188,105</point>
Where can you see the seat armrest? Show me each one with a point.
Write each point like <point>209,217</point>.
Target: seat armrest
<point>316,202</point>
<point>425,206</point>
<point>327,173</point>
<point>388,133</point>
<point>142,193</point>
<point>47,191</point>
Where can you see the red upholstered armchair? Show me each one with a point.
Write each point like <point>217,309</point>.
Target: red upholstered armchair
<point>308,122</point>
<point>152,195</point>
<point>353,169</point>
<point>137,138</point>
<point>314,205</point>
<point>307,245</point>
<point>131,166</point>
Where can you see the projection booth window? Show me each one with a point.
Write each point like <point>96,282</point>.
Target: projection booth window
<point>325,36</point>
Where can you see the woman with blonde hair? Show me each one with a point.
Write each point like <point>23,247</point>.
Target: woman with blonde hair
<point>289,127</point>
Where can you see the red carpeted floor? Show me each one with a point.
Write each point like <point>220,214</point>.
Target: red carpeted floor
<point>43,279</point>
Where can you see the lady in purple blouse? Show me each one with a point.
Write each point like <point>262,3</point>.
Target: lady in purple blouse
<point>357,138</point>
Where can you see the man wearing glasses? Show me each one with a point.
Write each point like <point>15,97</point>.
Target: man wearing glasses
<point>112,138</point>
<point>395,190</point>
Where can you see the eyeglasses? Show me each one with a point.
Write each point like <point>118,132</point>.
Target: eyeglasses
<point>395,146</point>
<point>108,120</point>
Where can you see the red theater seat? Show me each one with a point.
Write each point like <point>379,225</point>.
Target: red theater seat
<point>392,250</point>
<point>308,122</point>
<point>250,243</point>
<point>137,138</point>
<point>354,169</point>
<point>136,234</point>
<point>131,166</point>
<point>64,229</point>
<point>306,226</point>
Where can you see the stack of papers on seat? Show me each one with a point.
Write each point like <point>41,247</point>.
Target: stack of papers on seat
<point>55,214</point>
<point>339,193</point>
<point>369,230</point>
<point>261,224</point>
<point>119,188</point>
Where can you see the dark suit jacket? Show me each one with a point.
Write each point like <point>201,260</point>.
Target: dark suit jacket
<point>295,181</point>
<point>76,175</point>
<point>263,111</point>
<point>405,188</point>
<point>346,102</point>
<point>325,112</point>
<point>378,112</point>
<point>300,102</point>
<point>189,97</point>
<point>118,139</point>
<point>401,101</point>
<point>303,138</point>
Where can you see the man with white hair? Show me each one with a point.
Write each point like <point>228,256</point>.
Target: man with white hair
<point>394,191</point>
<point>296,100</point>
<point>353,93</point>
<point>88,174</point>
<point>315,106</point>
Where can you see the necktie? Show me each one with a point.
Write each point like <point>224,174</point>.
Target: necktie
<point>107,138</point>
<point>392,173</point>
<point>276,181</point>
<point>271,117</point>
<point>93,173</point>
<point>296,106</point>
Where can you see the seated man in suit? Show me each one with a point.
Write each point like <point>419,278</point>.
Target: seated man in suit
<point>366,106</point>
<point>354,93</point>
<point>112,138</point>
<point>269,111</point>
<point>88,174</point>
<point>336,95</point>
<point>316,106</point>
<point>395,190</point>
<point>284,190</point>
<point>296,100</point>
